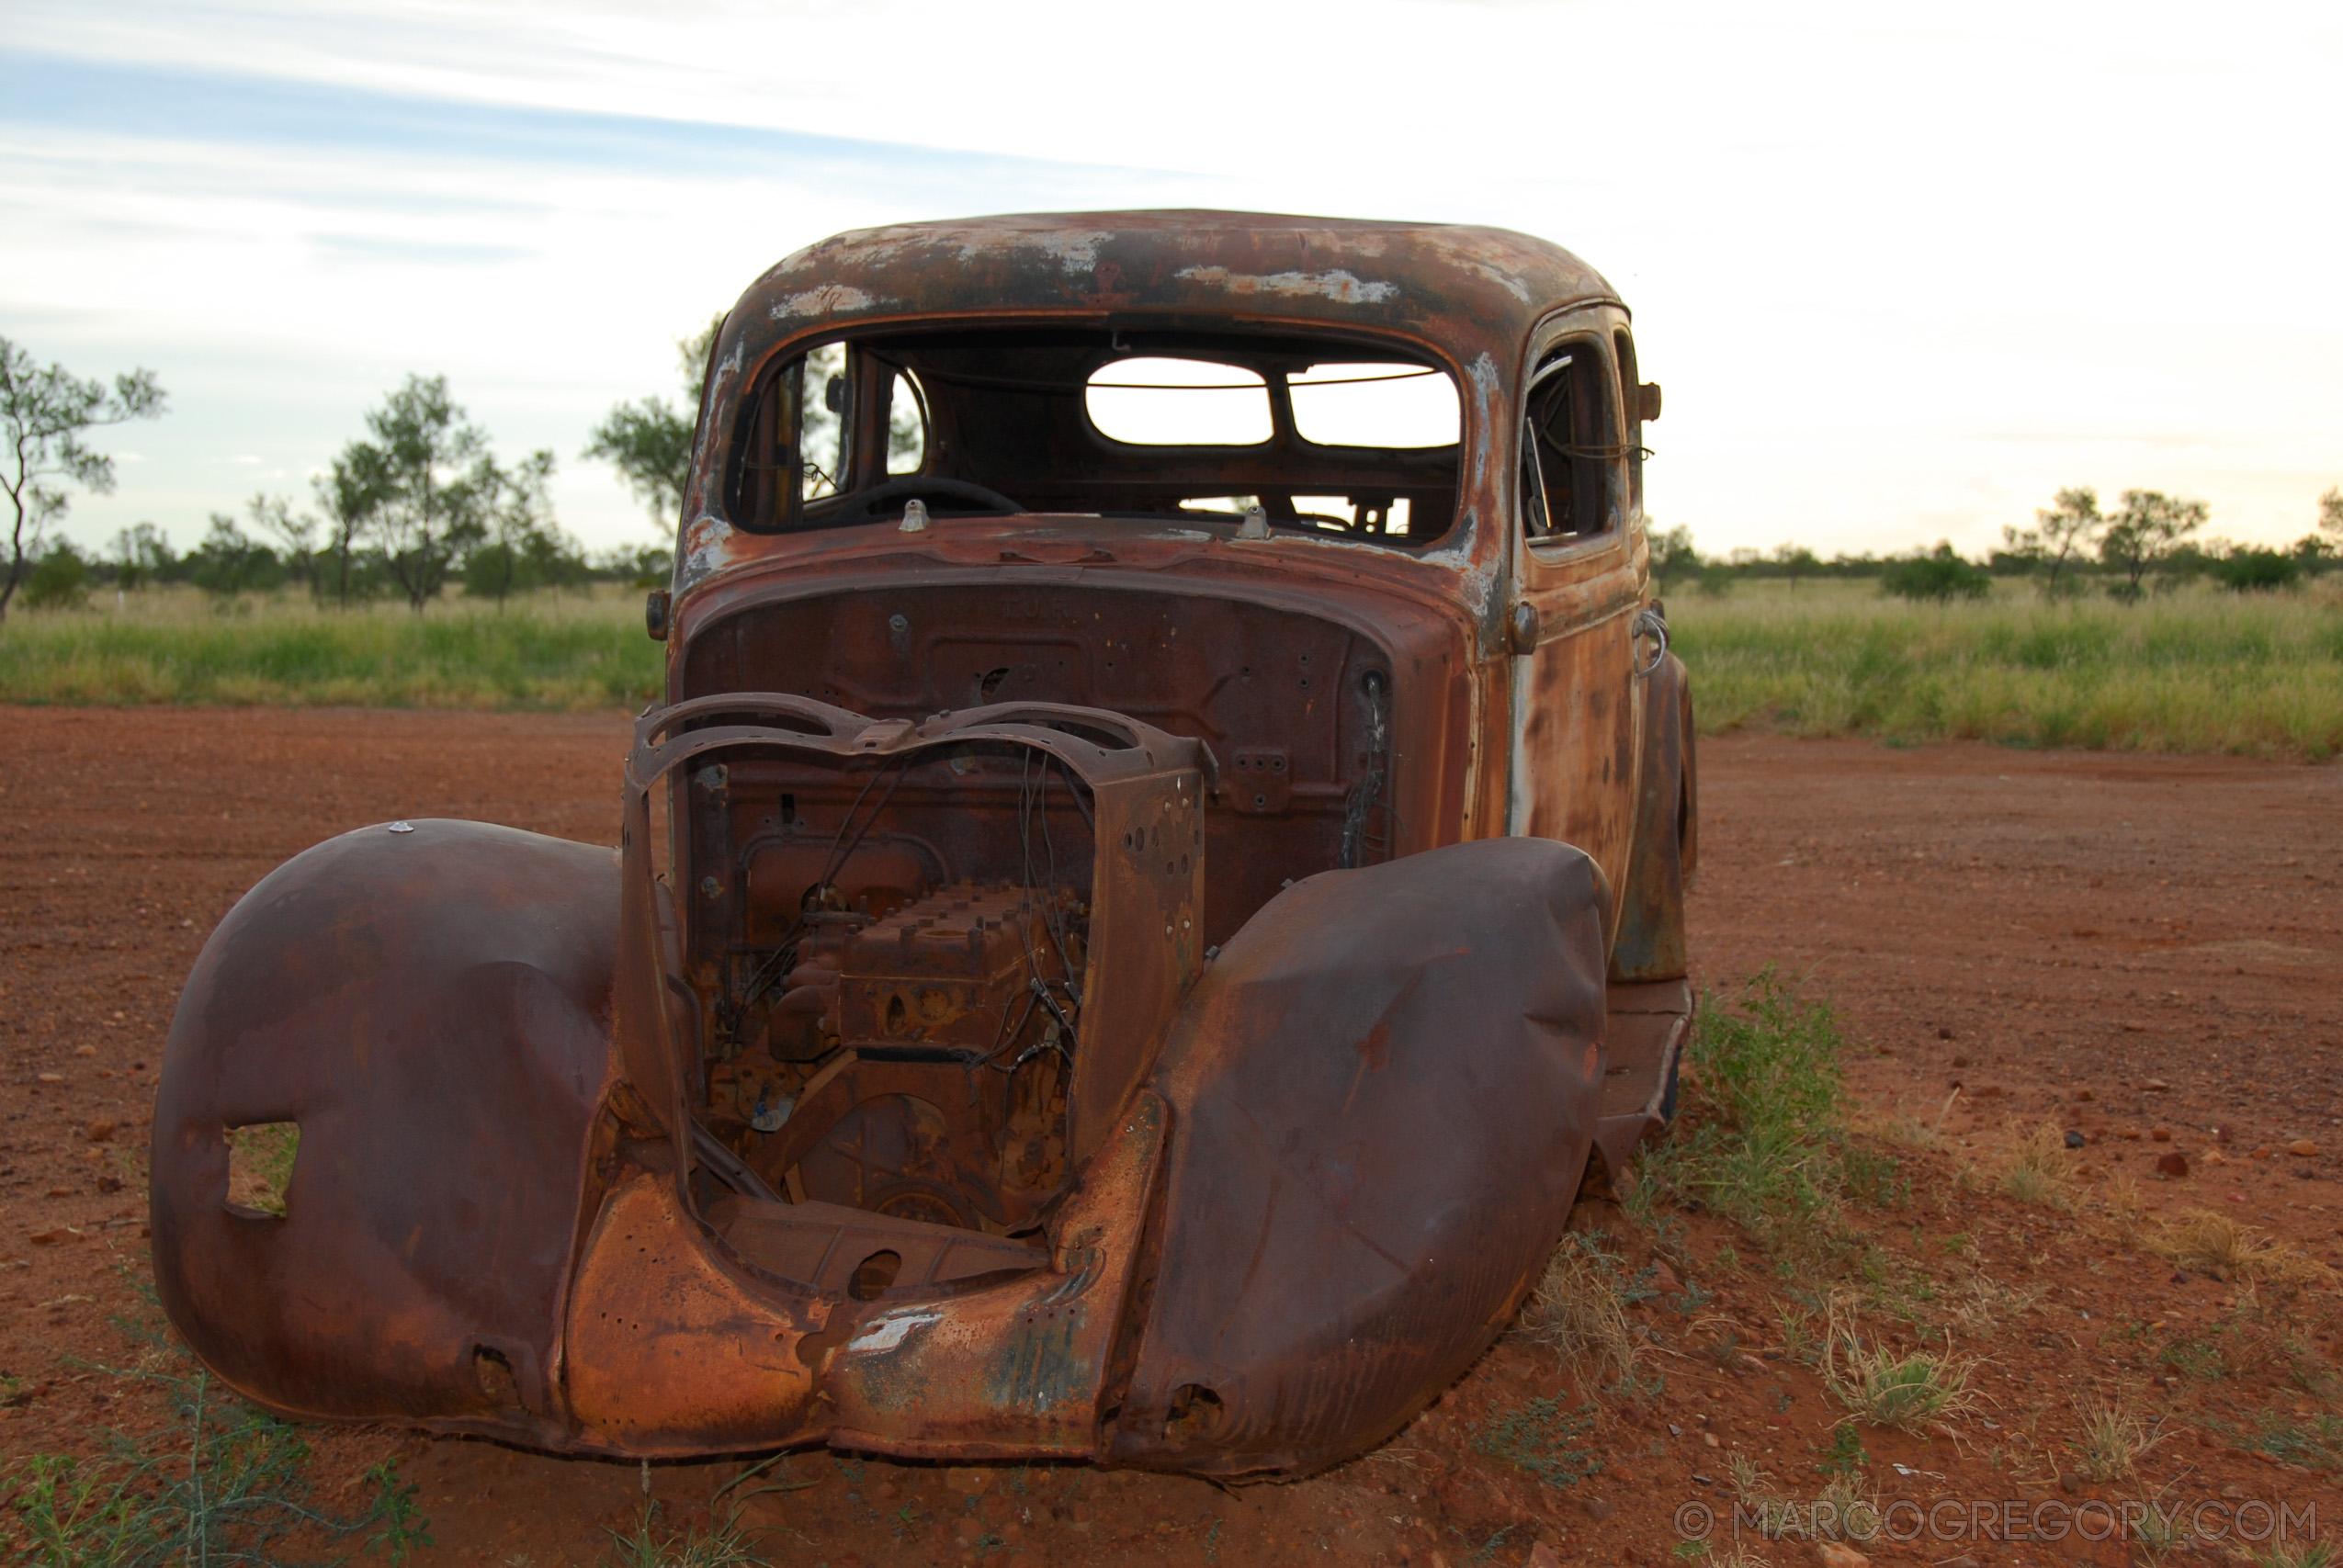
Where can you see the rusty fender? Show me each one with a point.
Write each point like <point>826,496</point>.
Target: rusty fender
<point>1382,1095</point>
<point>433,1009</point>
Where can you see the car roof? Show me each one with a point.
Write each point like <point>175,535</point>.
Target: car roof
<point>1467,288</point>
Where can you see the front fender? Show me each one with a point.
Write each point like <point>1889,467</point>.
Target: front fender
<point>433,1009</point>
<point>1383,1094</point>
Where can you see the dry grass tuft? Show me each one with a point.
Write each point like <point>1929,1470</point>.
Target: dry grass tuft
<point>2207,1241</point>
<point>2036,1168</point>
<point>1912,1391</point>
<point>2112,1442</point>
<point>2126,1213</point>
<point>1576,1308</point>
<point>1984,1303</point>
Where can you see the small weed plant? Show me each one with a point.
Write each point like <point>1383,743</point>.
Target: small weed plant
<point>1772,1158</point>
<point>230,1488</point>
<point>648,1546</point>
<point>1543,1439</point>
<point>1912,1391</point>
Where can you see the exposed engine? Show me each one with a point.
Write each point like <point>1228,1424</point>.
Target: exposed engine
<point>949,1020</point>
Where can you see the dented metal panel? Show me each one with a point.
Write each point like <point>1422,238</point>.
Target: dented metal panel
<point>1075,983</point>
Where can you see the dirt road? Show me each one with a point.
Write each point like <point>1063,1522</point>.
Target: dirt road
<point>2125,946</point>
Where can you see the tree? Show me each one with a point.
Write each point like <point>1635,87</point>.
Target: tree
<point>650,442</point>
<point>2144,535</point>
<point>425,478</point>
<point>1941,575</point>
<point>2330,513</point>
<point>231,562</point>
<point>43,416</point>
<point>274,515</point>
<point>1672,555</point>
<point>1795,562</point>
<point>522,547</point>
<point>348,494</point>
<point>2058,535</point>
<point>141,556</point>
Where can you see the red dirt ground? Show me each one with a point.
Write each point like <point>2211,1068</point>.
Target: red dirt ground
<point>2122,946</point>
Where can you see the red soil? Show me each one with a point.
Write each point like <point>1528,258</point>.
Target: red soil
<point>2119,945</point>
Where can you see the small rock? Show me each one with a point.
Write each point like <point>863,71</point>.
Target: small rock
<point>2070,1482</point>
<point>84,1050</point>
<point>2074,1138</point>
<point>61,1192</point>
<point>2160,1134</point>
<point>2261,1154</point>
<point>1598,1509</point>
<point>1542,1556</point>
<point>2302,1148</point>
<point>1964,1561</point>
<point>54,1236</point>
<point>1674,1430</point>
<point>2174,1164</point>
<point>2131,1134</point>
<point>1944,1034</point>
<point>52,1077</point>
<point>1709,1437</point>
<point>2153,1086</point>
<point>98,1132</point>
<point>1834,1555</point>
<point>1959,1061</point>
<point>109,1182</point>
<point>2085,1096</point>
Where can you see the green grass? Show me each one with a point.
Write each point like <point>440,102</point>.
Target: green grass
<point>550,650</point>
<point>220,1482</point>
<point>2198,670</point>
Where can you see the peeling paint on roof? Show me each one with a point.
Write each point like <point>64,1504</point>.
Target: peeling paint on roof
<point>830,300</point>
<point>1338,285</point>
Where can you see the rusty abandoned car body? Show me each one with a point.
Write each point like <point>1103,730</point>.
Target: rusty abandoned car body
<point>1158,877</point>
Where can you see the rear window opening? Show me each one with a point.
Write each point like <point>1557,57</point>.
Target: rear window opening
<point>1323,435</point>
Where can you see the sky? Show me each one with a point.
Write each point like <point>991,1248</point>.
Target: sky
<point>1904,272</point>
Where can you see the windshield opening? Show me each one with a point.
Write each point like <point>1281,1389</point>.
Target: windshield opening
<point>1321,434</point>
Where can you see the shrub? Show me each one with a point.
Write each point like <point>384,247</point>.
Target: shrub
<point>61,581</point>
<point>2247,570</point>
<point>1942,575</point>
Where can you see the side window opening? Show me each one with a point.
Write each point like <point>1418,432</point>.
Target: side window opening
<point>805,442</point>
<point>1570,446</point>
<point>1631,400</point>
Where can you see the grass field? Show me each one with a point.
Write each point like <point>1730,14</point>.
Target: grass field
<point>554,649</point>
<point>2199,669</point>
<point>2196,670</point>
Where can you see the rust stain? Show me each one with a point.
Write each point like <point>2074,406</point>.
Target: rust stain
<point>1075,982</point>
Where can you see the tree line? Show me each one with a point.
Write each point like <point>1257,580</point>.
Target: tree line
<point>2149,542</point>
<point>419,503</point>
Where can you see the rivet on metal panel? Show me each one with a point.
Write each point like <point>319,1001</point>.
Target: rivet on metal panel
<point>403,827</point>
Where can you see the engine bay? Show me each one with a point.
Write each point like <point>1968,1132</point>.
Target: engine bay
<point>900,973</point>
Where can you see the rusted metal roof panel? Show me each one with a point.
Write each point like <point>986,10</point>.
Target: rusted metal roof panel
<point>1461,285</point>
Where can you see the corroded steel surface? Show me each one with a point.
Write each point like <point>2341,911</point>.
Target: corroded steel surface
<point>1090,983</point>
<point>1382,1092</point>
